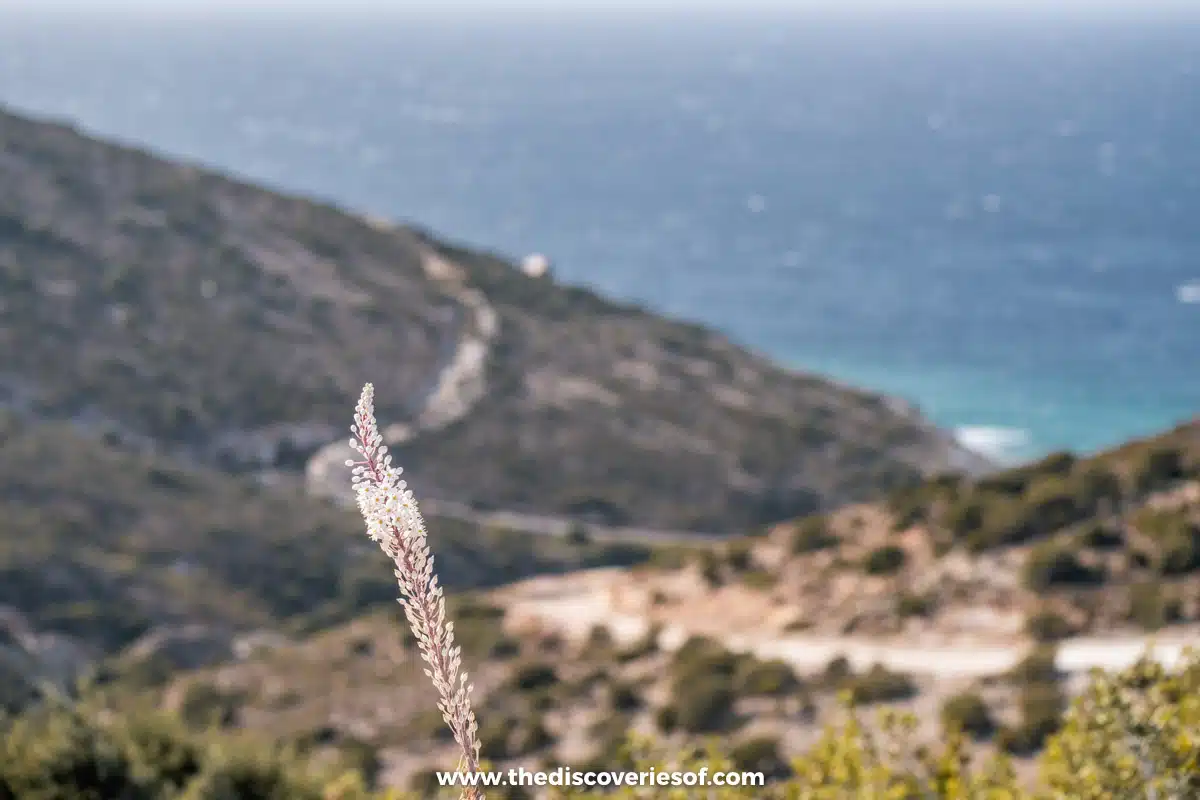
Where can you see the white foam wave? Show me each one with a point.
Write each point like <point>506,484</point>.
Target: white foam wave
<point>1188,293</point>
<point>995,442</point>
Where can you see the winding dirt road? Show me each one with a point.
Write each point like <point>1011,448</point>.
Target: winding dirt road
<point>459,385</point>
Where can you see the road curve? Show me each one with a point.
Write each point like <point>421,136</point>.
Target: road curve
<point>459,384</point>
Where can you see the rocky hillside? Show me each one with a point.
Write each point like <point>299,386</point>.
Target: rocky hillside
<point>1064,547</point>
<point>973,603</point>
<point>105,551</point>
<point>172,309</point>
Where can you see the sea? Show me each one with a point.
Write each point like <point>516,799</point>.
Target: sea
<point>995,218</point>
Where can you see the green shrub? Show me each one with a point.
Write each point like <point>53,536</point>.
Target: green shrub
<point>1176,539</point>
<point>767,678</point>
<point>915,605</point>
<point>1156,468</point>
<point>968,713</point>
<point>494,731</point>
<point>885,560</point>
<point>1152,606</point>
<point>76,753</point>
<point>812,534</point>
<point>624,698</point>
<point>837,671</point>
<point>701,657</point>
<point>759,579</point>
<point>1051,564</point>
<point>1103,536</point>
<point>965,517</point>
<point>529,736</point>
<point>204,704</point>
<point>879,685</point>
<point>533,676</point>
<point>1098,487</point>
<point>703,705</point>
<point>760,754</point>
<point>739,554</point>
<point>600,644</point>
<point>1047,625</point>
<point>1039,666</point>
<point>710,568</point>
<point>429,725</point>
<point>1042,706</point>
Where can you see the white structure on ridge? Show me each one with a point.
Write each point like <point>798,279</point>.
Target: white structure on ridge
<point>536,266</point>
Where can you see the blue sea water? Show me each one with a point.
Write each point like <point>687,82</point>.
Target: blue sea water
<point>1000,222</point>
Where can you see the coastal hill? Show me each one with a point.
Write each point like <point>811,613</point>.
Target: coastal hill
<point>180,357</point>
<point>976,603</point>
<point>166,308</point>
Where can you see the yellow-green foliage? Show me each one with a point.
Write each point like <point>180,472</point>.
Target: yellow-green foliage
<point>1133,735</point>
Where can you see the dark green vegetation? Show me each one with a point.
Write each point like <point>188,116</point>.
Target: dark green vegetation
<point>169,307</point>
<point>1129,735</point>
<point>1093,543</point>
<point>1087,497</point>
<point>81,753</point>
<point>103,546</point>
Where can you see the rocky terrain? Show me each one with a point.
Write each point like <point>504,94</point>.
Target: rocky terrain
<point>180,352</point>
<point>173,309</point>
<point>106,552</point>
<point>990,623</point>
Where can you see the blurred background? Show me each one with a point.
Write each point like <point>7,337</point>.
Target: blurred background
<point>988,208</point>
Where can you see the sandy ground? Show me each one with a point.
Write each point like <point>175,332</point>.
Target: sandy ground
<point>575,604</point>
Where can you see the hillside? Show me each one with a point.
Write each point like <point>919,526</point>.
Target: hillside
<point>1066,546</point>
<point>987,618</point>
<point>102,550</point>
<point>172,309</point>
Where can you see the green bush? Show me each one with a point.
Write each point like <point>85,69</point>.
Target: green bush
<point>710,568</point>
<point>915,605</point>
<point>967,712</point>
<point>885,560</point>
<point>624,698</point>
<point>701,658</point>
<point>760,754</point>
<point>1039,666</point>
<point>739,554</point>
<point>533,677</point>
<point>1047,625</point>
<point>837,671</point>
<point>204,704</point>
<point>1042,706</point>
<point>600,644</point>
<point>812,534</point>
<point>1050,565</point>
<point>1103,536</point>
<point>1156,468</point>
<point>57,752</point>
<point>879,685</point>
<point>1152,606</point>
<point>703,705</point>
<point>767,678</point>
<point>759,579</point>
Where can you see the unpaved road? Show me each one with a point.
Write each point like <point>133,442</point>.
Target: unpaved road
<point>575,607</point>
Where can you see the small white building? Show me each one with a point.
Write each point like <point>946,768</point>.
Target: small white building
<point>536,265</point>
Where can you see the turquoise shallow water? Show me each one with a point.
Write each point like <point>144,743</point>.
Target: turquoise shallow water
<point>1000,223</point>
